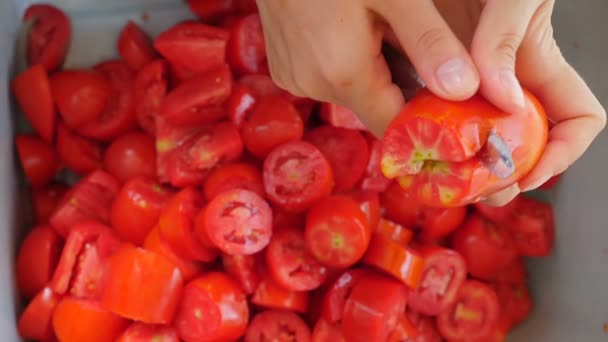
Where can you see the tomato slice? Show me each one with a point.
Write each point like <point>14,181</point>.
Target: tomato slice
<point>38,159</point>
<point>373,308</point>
<point>439,223</point>
<point>135,46</point>
<point>150,88</point>
<point>514,273</point>
<point>426,329</point>
<point>327,332</point>
<point>369,203</point>
<point>141,332</point>
<point>213,308</point>
<point>45,200</point>
<point>346,150</point>
<point>246,47</point>
<point>515,304</point>
<point>137,208</point>
<point>270,295</point>
<point>239,104</point>
<point>176,224</point>
<point>37,258</point>
<point>533,227</point>
<point>32,89</point>
<point>89,199</point>
<point>277,325</point>
<point>49,38</point>
<point>272,122</point>
<point>131,155</point>
<point>395,231</point>
<point>444,273</point>
<point>78,153</point>
<point>486,247</point>
<point>238,222</point>
<point>338,293</point>
<point>296,175</point>
<point>394,259</point>
<point>337,231</point>
<point>342,117</point>
<point>142,285</point>
<point>35,322</point>
<point>474,314</point>
<point>373,179</point>
<point>290,263</point>
<point>244,269</point>
<point>228,177</point>
<point>497,214</point>
<point>95,324</point>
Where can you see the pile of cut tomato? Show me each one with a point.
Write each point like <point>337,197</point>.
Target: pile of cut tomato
<point>211,205</point>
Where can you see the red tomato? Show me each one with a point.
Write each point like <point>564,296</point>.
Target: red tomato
<point>369,203</point>
<point>515,304</point>
<point>238,222</point>
<point>474,314</point>
<point>373,308</point>
<point>149,91</point>
<point>32,90</point>
<point>394,259</point>
<point>136,209</point>
<point>533,227</point>
<point>277,325</point>
<point>551,183</point>
<point>337,231</point>
<point>82,266</point>
<point>246,47</point>
<point>290,263</point>
<point>81,95</point>
<point>244,269</point>
<point>273,121</point>
<point>79,154</point>
<point>89,199</point>
<point>270,295</point>
<point>135,46</point>
<point>338,293</point>
<point>142,285</point>
<point>296,175</point>
<point>404,331</point>
<point>262,85</point>
<point>327,332</point>
<point>346,150</point>
<point>426,329</point>
<point>188,268</point>
<point>401,208</point>
<point>444,273</point>
<point>284,218</point>
<point>37,258</point>
<point>514,273</point>
<point>131,155</point>
<point>35,323</point>
<point>199,100</point>
<point>240,103</point>
<point>77,320</point>
<point>118,116</point>
<point>373,179</point>
<point>395,231</point>
<point>38,159</point>
<point>176,224</point>
<point>487,247</point>
<point>45,200</point>
<point>441,222</point>
<point>497,214</point>
<point>193,47</point>
<point>431,147</point>
<point>233,176</point>
<point>339,116</point>
<point>141,332</point>
<point>49,38</point>
<point>216,9</point>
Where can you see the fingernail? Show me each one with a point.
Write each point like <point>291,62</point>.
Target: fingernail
<point>537,183</point>
<point>512,87</point>
<point>455,75</point>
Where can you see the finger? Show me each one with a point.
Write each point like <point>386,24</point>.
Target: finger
<point>502,197</point>
<point>438,56</point>
<point>501,29</point>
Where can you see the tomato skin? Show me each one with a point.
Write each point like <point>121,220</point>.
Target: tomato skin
<point>337,294</point>
<point>441,222</point>
<point>246,47</point>
<point>532,227</point>
<point>337,231</point>
<point>141,332</point>
<point>32,89</point>
<point>270,295</point>
<point>271,325</point>
<point>233,176</point>
<point>369,203</point>
<point>135,46</point>
<point>35,322</point>
<point>38,159</point>
<point>131,155</point>
<point>90,317</point>
<point>325,332</point>
<point>49,38</point>
<point>137,208</point>
<point>339,116</point>
<point>46,199</point>
<point>239,104</point>
<point>395,232</point>
<point>244,269</point>
<point>272,122</point>
<point>515,304</point>
<point>400,207</point>
<point>78,153</point>
<point>37,258</point>
<point>149,90</point>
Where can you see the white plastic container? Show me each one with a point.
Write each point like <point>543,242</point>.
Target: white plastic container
<point>570,288</point>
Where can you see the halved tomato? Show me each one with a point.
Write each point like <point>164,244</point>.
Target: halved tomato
<point>79,154</point>
<point>49,38</point>
<point>532,227</point>
<point>36,321</point>
<point>227,177</point>
<point>338,293</point>
<point>276,325</point>
<point>38,159</point>
<point>149,91</point>
<point>135,46</point>
<point>246,48</point>
<point>244,269</point>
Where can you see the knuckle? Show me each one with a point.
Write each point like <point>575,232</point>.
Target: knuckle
<point>508,44</point>
<point>337,76</point>
<point>433,38</point>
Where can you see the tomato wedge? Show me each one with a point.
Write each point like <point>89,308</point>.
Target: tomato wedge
<point>244,269</point>
<point>38,159</point>
<point>533,227</point>
<point>246,47</point>
<point>338,293</point>
<point>135,46</point>
<point>270,295</point>
<point>275,325</point>
<point>141,332</point>
<point>49,38</point>
<point>35,322</point>
<point>149,90</point>
<point>95,324</point>
<point>79,154</point>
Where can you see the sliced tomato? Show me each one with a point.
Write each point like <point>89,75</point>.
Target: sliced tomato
<point>272,122</point>
<point>487,247</point>
<point>474,314</point>
<point>213,308</point>
<point>277,325</point>
<point>78,153</point>
<point>327,332</point>
<point>244,269</point>
<point>95,324</point>
<point>240,103</point>
<point>369,203</point>
<point>404,331</point>
<point>32,89</point>
<point>142,285</point>
<point>373,179</point>
<point>395,231</point>
<point>149,91</point>
<point>238,222</point>
<point>45,200</point>
<point>338,293</point>
<point>290,263</point>
<point>38,159</point>
<point>337,231</point>
<point>262,85</point>
<point>396,260</point>
<point>441,222</point>
<point>141,332</point>
<point>497,214</point>
<point>426,329</point>
<point>176,224</point>
<point>89,199</point>
<point>401,208</point>
<point>193,47</point>
<point>551,183</point>
<point>137,208</point>
<point>533,227</point>
<point>228,177</point>
<point>339,116</point>
<point>246,47</point>
<point>373,308</point>
<point>296,175</point>
<point>515,304</point>
<point>35,322</point>
<point>49,38</point>
<point>135,46</point>
<point>270,295</point>
<point>346,150</point>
